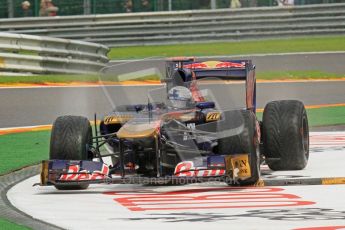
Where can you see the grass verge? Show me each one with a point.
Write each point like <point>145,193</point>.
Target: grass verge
<point>326,116</point>
<point>323,116</point>
<point>43,79</point>
<point>65,79</point>
<point>297,75</point>
<point>7,225</point>
<point>22,149</point>
<point>310,44</point>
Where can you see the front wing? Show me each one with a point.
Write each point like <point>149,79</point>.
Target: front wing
<point>228,169</point>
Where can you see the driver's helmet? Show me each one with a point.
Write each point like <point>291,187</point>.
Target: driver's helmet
<point>180,97</point>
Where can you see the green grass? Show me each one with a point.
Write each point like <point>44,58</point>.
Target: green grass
<point>310,44</point>
<point>7,225</point>
<point>297,75</point>
<point>323,116</point>
<point>326,116</point>
<point>22,149</point>
<point>43,79</point>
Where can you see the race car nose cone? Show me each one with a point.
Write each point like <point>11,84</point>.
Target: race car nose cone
<point>137,130</point>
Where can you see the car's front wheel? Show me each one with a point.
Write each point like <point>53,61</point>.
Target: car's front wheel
<point>71,138</point>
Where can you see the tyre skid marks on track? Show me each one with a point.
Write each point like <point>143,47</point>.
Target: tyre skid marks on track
<point>292,214</point>
<point>327,139</point>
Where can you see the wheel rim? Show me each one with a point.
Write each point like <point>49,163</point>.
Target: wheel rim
<point>305,136</point>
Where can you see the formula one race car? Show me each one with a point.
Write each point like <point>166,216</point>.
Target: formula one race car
<point>180,135</point>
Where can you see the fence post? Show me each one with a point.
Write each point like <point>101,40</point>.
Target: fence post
<point>87,6</point>
<point>37,8</point>
<point>213,4</point>
<point>94,9</point>
<point>10,8</point>
<point>169,5</point>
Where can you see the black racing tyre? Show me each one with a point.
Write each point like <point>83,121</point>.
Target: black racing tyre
<point>285,135</point>
<point>71,138</point>
<point>244,142</point>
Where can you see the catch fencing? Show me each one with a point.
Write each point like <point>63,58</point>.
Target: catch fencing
<point>192,26</point>
<point>13,8</point>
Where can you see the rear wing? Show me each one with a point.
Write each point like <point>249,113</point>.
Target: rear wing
<point>243,70</point>
<point>219,69</point>
<point>223,69</point>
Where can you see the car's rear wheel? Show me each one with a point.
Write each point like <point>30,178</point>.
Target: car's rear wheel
<point>71,138</point>
<point>285,135</point>
<point>241,139</point>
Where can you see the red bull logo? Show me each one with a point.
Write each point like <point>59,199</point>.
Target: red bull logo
<point>214,65</point>
<point>196,66</point>
<point>74,173</point>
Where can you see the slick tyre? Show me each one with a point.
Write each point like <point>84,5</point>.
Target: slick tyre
<point>285,135</point>
<point>71,138</point>
<point>245,141</point>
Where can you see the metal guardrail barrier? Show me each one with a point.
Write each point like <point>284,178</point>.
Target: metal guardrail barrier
<point>191,26</point>
<point>36,54</point>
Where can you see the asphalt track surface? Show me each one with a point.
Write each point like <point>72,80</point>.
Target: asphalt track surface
<point>201,206</point>
<point>40,106</point>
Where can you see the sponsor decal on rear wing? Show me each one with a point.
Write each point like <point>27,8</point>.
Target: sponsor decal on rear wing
<point>215,65</point>
<point>223,69</point>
